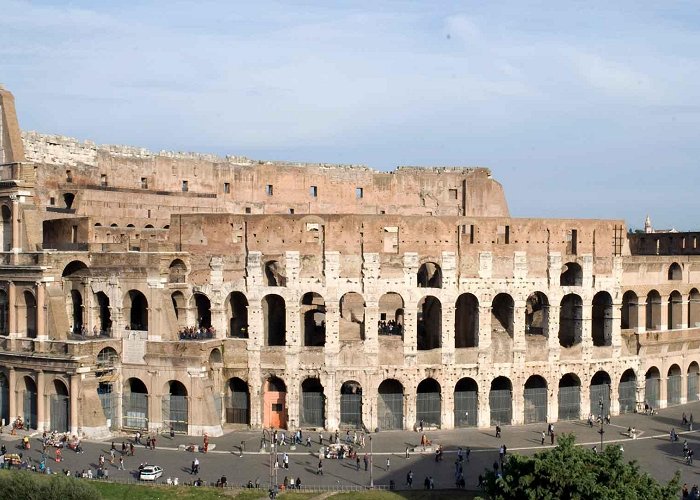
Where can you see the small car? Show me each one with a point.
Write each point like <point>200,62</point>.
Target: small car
<point>150,472</point>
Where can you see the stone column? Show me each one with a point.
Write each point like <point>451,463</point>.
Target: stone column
<point>518,403</point>
<point>448,408</point>
<point>331,402</point>
<point>218,320</point>
<point>616,333</point>
<point>485,356</point>
<point>40,312</point>
<point>553,333</point>
<point>371,329</point>
<point>448,334</point>
<point>684,313</point>
<point>585,408</point>
<point>16,243</point>
<point>614,395</point>
<point>586,328</point>
<point>74,391</point>
<point>41,422</point>
<point>12,309</point>
<point>663,390</point>
<point>12,382</point>
<point>484,408</point>
<point>641,315</point>
<point>553,401</point>
<point>664,313</point>
<point>410,335</point>
<point>519,345</point>
<point>409,399</point>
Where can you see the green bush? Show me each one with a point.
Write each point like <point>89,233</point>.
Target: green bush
<point>29,486</point>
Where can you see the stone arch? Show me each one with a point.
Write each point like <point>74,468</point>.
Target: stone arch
<point>429,323</point>
<point>215,357</point>
<point>571,275</point>
<point>237,313</point>
<point>59,406</point>
<point>274,320</point>
<point>68,200</point>
<point>275,403</point>
<point>570,320</point>
<point>352,317</point>
<point>390,402</point>
<point>601,319</point>
<point>203,306</point>
<point>26,314</point>
<point>653,310</point>
<point>501,401</point>
<point>177,271</point>
<point>237,401</point>
<point>148,226</point>
<point>104,313</point>
<point>312,403</point>
<point>467,321</point>
<point>675,272</point>
<point>569,397</point>
<point>135,309</point>
<point>675,310</point>
<point>351,404</point>
<point>274,274</point>
<point>4,314</point>
<point>537,314</point>
<point>312,313</point>
<point>130,225</point>
<point>652,387</point>
<point>6,227</point>
<point>135,404</point>
<point>502,309</point>
<point>391,314</point>
<point>693,374</point>
<point>77,311</point>
<point>75,269</point>
<point>107,356</point>
<point>694,308</point>
<point>600,393</point>
<point>177,298</point>
<point>466,402</point>
<point>30,400</point>
<point>627,391</point>
<point>673,385</point>
<point>629,312</point>
<point>429,276</point>
<point>429,402</point>
<point>175,407</point>
<point>535,399</point>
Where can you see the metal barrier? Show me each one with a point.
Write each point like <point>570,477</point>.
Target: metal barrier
<point>135,410</point>
<point>176,413</point>
<point>351,410</point>
<point>59,412</point>
<point>312,409</point>
<point>501,403</point>
<point>535,404</point>
<point>428,406</point>
<point>466,407</point>
<point>652,391</point>
<point>673,389</point>
<point>390,411</point>
<point>692,386</point>
<point>570,403</point>
<point>628,396</point>
<point>600,392</point>
<point>237,408</point>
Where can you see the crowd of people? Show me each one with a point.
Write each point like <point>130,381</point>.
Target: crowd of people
<point>196,333</point>
<point>390,327</point>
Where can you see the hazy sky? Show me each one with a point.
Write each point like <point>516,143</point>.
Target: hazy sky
<point>581,109</point>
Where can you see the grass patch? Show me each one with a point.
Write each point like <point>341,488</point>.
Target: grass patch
<point>405,494</point>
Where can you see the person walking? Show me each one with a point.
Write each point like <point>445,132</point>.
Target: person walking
<point>498,431</point>
<point>319,470</point>
<point>388,464</point>
<point>551,437</point>
<point>409,479</point>
<point>357,463</point>
<point>121,463</point>
<point>542,440</point>
<point>366,460</point>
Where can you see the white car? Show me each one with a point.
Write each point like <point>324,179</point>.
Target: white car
<point>150,472</point>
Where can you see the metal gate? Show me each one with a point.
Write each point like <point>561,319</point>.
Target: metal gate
<point>110,406</point>
<point>692,386</point>
<point>501,403</point>
<point>466,405</point>
<point>535,404</point>
<point>312,409</point>
<point>628,396</point>
<point>600,392</point>
<point>651,391</point>
<point>59,412</point>
<point>428,408</point>
<point>673,388</point>
<point>29,407</point>
<point>390,411</point>
<point>351,410</point>
<point>237,408</point>
<point>135,410</point>
<point>175,413</point>
<point>4,400</point>
<point>570,403</point>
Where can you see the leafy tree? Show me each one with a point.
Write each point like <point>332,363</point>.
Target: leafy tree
<point>573,472</point>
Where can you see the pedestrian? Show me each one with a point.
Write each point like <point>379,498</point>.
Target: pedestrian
<point>113,448</point>
<point>308,441</point>
<point>407,455</point>
<point>551,437</point>
<point>285,459</point>
<point>542,440</point>
<point>320,438</point>
<point>319,471</point>
<point>172,432</point>
<point>501,454</point>
<point>121,463</point>
<point>684,492</point>
<point>123,448</point>
<point>131,449</point>
<point>388,464</point>
<point>366,460</point>
<point>409,479</point>
<point>460,458</point>
<point>420,425</point>
<point>298,483</point>
<point>426,483</point>
<point>468,452</point>
<point>111,456</point>
<point>357,463</point>
<point>549,426</point>
<point>498,431</point>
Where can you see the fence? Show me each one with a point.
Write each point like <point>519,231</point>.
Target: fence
<point>628,396</point>
<point>135,407</point>
<point>29,407</point>
<point>535,404</point>
<point>652,391</point>
<point>351,410</point>
<point>175,413</point>
<point>673,388</point>
<point>428,408</point>
<point>466,407</point>
<point>600,392</point>
<point>692,386</point>
<point>59,412</point>
<point>501,403</point>
<point>570,403</point>
<point>110,405</point>
<point>312,409</point>
<point>237,408</point>
<point>390,411</point>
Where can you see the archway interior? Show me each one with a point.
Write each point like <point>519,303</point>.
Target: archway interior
<point>237,402</point>
<point>467,321</point>
<point>237,309</point>
<point>390,402</point>
<point>429,323</point>
<point>627,392</point>
<point>536,314</point>
<point>569,397</point>
<point>313,317</point>
<point>501,401</point>
<point>312,403</point>
<point>275,403</point>
<point>391,314</point>
<point>429,276</point>
<point>570,320</point>
<point>351,404</point>
<point>429,402</point>
<point>274,320</point>
<point>203,305</point>
<point>601,317</point>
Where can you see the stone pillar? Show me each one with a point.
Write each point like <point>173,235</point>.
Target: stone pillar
<point>641,315</point>
<point>12,382</point>
<point>16,243</point>
<point>371,328</point>
<point>74,392</point>
<point>332,347</point>
<point>663,390</point>
<point>409,400</point>
<point>485,329</point>
<point>519,345</point>
<point>218,319</point>
<point>585,408</point>
<point>614,395</point>
<point>616,333</point>
<point>12,309</point>
<point>684,313</point>
<point>484,408</point>
<point>553,333</point>
<point>664,313</point>
<point>41,422</point>
<point>518,402</point>
<point>553,401</point>
<point>448,408</point>
<point>448,334</point>
<point>256,388</point>
<point>40,312</point>
<point>331,401</point>
<point>586,328</point>
<point>410,334</point>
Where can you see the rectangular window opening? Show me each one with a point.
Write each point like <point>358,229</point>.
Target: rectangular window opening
<point>74,234</point>
<point>269,190</point>
<point>453,194</point>
<point>313,191</point>
<point>144,182</point>
<point>52,201</point>
<point>247,210</point>
<point>103,179</point>
<point>391,239</point>
<point>291,210</point>
<point>503,236</point>
<point>571,241</point>
<point>69,176</point>
<point>227,187</point>
<point>359,193</point>
<point>185,186</point>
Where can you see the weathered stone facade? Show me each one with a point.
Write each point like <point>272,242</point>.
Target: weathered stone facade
<point>327,296</point>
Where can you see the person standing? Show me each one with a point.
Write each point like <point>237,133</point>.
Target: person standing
<point>409,479</point>
<point>366,460</point>
<point>388,464</point>
<point>121,463</point>
<point>498,431</point>
<point>357,464</point>
<point>319,470</point>
<point>542,440</point>
<point>551,437</point>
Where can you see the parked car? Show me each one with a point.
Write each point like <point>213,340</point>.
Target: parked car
<point>150,472</point>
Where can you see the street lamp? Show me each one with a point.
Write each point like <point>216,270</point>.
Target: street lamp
<point>371,463</point>
<point>267,432</point>
<point>601,431</point>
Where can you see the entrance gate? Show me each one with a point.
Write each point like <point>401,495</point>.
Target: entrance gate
<point>692,386</point>
<point>501,403</point>
<point>312,409</point>
<point>30,409</point>
<point>465,408</point>
<point>428,408</point>
<point>390,411</point>
<point>59,412</point>
<point>570,402</point>
<point>135,414</point>
<point>673,387</point>
<point>175,413</point>
<point>237,408</point>
<point>4,395</point>
<point>351,410</point>
<point>600,392</point>
<point>628,396</point>
<point>109,402</point>
<point>535,404</point>
<point>651,390</point>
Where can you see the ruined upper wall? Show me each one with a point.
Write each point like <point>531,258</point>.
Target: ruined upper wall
<point>11,149</point>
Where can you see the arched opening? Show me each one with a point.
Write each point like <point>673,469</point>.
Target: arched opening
<point>203,305</point>
<point>569,397</point>
<point>673,385</point>
<point>467,321</point>
<point>570,320</point>
<point>177,272</point>
<point>675,273</point>
<point>429,276</point>
<point>390,405</point>
<point>501,401</point>
<point>653,312</point>
<point>312,412</point>
<point>130,225</point>
<point>652,387</point>
<point>26,314</point>
<point>629,313</point>
<point>180,308</point>
<point>274,320</point>
<point>29,403</point>
<point>75,269</point>
<point>693,371</point>
<point>4,398</point>
<point>466,402</point>
<point>6,237</point>
<point>274,274</point>
<point>114,224</point>
<point>97,224</point>
<point>429,323</point>
<point>571,275</point>
<point>537,314</point>
<point>675,311</point>
<point>59,404</point>
<point>600,393</point>
<point>601,316</point>
<point>135,404</point>
<point>391,312</point>
<point>352,317</point>
<point>694,309</point>
<point>68,199</point>
<point>351,404</point>
<point>275,403</point>
<point>535,398</point>
<point>215,357</point>
<point>135,308</point>
<point>105,315</point>
<point>237,311</point>
<point>628,391</point>
<point>237,402</point>
<point>4,315</point>
<point>429,402</point>
<point>502,315</point>
<point>175,407</point>
<point>77,311</point>
<point>313,319</point>
<point>148,226</point>
<point>107,357</point>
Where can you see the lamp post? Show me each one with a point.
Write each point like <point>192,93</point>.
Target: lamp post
<point>371,463</point>
<point>601,431</point>
<point>267,434</point>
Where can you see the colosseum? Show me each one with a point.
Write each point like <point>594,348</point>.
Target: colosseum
<point>146,290</point>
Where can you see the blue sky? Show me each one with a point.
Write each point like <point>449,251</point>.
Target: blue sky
<point>581,109</point>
